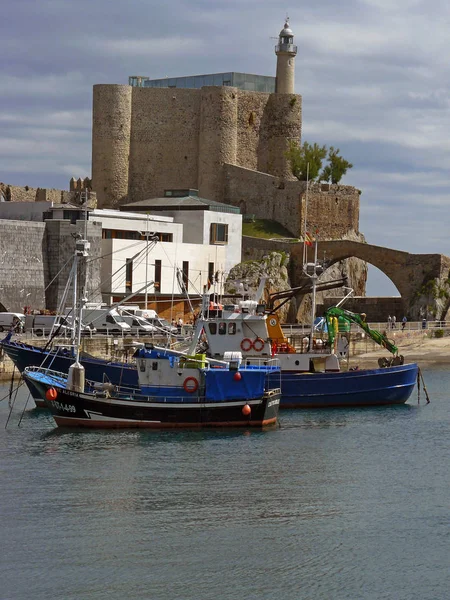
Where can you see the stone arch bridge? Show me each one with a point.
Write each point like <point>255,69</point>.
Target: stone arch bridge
<point>423,280</point>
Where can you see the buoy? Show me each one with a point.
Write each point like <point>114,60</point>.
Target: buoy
<point>258,345</point>
<point>190,385</point>
<point>246,345</point>
<point>246,410</point>
<point>237,376</point>
<point>51,394</point>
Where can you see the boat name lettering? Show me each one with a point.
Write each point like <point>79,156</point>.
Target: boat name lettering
<point>273,403</point>
<point>63,407</point>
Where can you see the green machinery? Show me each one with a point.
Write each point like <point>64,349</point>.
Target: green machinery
<point>333,314</point>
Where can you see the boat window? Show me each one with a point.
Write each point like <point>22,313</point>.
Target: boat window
<point>154,366</point>
<point>212,328</point>
<point>231,328</point>
<point>222,328</point>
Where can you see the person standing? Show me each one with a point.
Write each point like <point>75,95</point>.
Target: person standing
<point>389,322</point>
<point>404,323</point>
<point>394,322</point>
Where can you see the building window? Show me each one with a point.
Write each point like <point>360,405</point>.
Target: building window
<point>186,274</point>
<point>129,275</point>
<point>218,233</point>
<point>157,275</point>
<point>210,274</point>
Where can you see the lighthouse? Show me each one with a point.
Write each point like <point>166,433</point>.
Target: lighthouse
<point>286,52</point>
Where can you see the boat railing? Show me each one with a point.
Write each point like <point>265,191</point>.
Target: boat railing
<point>50,372</point>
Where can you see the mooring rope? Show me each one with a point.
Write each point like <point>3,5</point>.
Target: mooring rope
<point>421,379</point>
<point>11,404</point>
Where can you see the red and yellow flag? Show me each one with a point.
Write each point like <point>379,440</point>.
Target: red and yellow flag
<point>308,239</point>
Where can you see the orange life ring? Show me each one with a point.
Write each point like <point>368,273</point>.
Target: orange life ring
<point>190,385</point>
<point>258,344</point>
<point>246,345</point>
<point>51,394</point>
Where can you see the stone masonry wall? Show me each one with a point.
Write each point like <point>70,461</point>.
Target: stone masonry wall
<point>111,131</point>
<point>146,140</point>
<point>164,143</point>
<point>60,251</point>
<point>333,209</point>
<point>22,265</point>
<point>16,193</point>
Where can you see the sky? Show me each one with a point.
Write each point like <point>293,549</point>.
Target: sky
<point>373,76</point>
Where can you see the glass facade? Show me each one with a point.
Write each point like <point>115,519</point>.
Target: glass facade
<point>243,81</point>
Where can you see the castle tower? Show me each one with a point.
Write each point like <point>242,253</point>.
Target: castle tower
<point>286,52</point>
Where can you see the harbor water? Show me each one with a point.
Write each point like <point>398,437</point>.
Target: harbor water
<point>332,504</point>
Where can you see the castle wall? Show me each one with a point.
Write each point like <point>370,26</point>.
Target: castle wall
<point>333,209</point>
<point>218,138</point>
<point>59,251</point>
<point>164,141</point>
<point>111,118</point>
<point>251,108</point>
<point>146,140</point>
<point>23,268</point>
<point>264,196</point>
<point>281,122</point>
<point>16,193</point>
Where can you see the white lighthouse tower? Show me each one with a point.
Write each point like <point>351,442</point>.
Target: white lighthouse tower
<point>286,52</point>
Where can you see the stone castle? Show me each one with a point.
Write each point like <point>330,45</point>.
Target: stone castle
<point>228,143</point>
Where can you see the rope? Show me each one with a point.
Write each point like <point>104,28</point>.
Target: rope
<point>419,380</point>
<point>12,403</point>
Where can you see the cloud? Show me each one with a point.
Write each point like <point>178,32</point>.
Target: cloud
<point>373,75</point>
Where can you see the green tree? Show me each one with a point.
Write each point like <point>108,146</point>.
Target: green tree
<point>302,156</point>
<point>337,167</point>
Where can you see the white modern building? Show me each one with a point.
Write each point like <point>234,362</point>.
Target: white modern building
<point>196,248</point>
<point>178,244</point>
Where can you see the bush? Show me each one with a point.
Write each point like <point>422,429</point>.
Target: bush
<point>439,333</point>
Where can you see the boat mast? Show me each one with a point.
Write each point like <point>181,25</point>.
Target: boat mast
<point>314,277</point>
<point>146,266</point>
<point>76,376</point>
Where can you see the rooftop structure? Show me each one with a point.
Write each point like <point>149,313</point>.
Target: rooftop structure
<point>243,81</point>
<point>180,200</point>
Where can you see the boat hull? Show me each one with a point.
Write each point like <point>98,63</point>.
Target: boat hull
<point>365,387</point>
<point>96,369</point>
<point>74,409</point>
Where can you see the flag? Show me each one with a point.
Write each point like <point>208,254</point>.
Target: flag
<point>308,239</point>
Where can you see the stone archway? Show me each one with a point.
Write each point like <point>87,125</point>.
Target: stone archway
<point>423,280</point>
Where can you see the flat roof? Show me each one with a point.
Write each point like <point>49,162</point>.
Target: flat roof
<point>181,203</point>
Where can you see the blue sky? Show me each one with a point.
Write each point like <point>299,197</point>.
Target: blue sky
<point>374,78</point>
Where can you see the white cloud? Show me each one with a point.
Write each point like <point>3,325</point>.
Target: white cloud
<point>373,75</point>
<point>159,47</point>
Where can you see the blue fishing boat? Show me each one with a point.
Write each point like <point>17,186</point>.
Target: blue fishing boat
<point>175,390</point>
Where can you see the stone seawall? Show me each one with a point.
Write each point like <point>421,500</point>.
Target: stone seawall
<point>23,270</point>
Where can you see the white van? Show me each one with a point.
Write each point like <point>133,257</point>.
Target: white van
<point>139,325</point>
<point>7,320</point>
<point>159,324</point>
<point>105,320</point>
<point>42,325</point>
